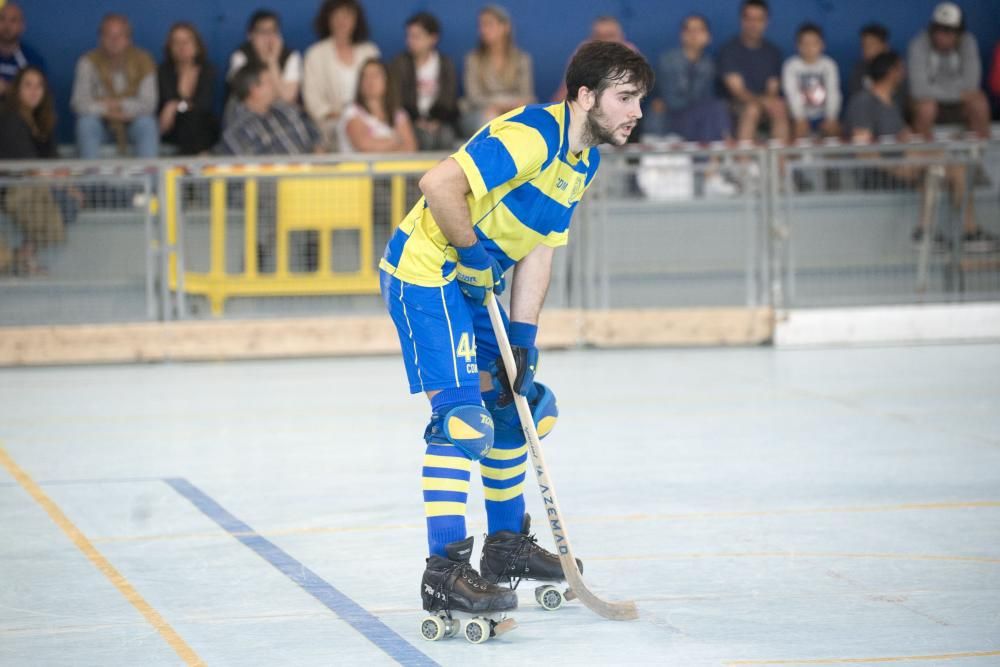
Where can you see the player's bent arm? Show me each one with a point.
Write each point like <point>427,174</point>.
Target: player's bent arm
<point>445,186</point>
<point>531,283</point>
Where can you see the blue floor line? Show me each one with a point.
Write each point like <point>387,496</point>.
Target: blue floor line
<point>350,611</point>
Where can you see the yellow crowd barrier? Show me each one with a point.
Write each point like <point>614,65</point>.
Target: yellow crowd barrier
<point>309,198</point>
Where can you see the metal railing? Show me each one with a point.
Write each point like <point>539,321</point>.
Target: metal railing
<point>664,226</point>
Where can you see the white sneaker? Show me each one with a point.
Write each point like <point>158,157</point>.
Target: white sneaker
<point>717,186</point>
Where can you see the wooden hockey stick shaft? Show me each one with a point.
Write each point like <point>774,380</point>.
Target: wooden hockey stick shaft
<point>616,611</point>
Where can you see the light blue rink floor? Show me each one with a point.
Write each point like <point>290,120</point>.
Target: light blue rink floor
<point>762,507</point>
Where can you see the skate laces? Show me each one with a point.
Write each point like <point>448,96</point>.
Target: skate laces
<point>525,546</point>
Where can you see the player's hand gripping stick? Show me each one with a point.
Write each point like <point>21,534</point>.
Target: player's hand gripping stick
<point>616,611</point>
<point>478,274</point>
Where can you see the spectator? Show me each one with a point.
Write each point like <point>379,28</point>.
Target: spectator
<point>27,129</point>
<point>333,63</point>
<point>28,119</point>
<point>750,67</point>
<point>15,55</point>
<point>498,75</point>
<point>603,29</point>
<point>811,84</point>
<point>875,41</point>
<point>114,94</point>
<point>945,75</point>
<point>872,114</point>
<point>686,85</point>
<point>186,86</point>
<point>266,46</point>
<point>263,123</point>
<point>375,122</point>
<point>427,84</point>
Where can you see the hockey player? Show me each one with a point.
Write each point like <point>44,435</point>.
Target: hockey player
<point>503,200</point>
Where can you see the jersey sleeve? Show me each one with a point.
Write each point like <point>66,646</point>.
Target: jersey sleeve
<point>501,152</point>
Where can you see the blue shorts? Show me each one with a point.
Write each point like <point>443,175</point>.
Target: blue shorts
<point>445,338</point>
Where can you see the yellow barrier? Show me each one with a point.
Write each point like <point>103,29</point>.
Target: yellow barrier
<point>305,202</point>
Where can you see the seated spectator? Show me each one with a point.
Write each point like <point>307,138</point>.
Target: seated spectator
<point>266,46</point>
<point>875,41</point>
<point>945,74</point>
<point>263,123</point>
<point>750,67</point>
<point>872,114</point>
<point>15,55</point>
<point>426,84</point>
<point>28,119</point>
<point>686,86</point>
<point>811,84</point>
<point>498,75</point>
<point>375,122</point>
<point>603,29</point>
<point>333,63</point>
<point>186,86</point>
<point>27,132</point>
<point>114,94</point>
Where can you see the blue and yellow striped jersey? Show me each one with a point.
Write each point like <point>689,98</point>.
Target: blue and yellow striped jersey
<point>525,185</point>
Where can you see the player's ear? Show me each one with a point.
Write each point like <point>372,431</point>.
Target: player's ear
<point>586,98</point>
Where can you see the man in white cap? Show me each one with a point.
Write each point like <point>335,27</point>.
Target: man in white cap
<point>945,73</point>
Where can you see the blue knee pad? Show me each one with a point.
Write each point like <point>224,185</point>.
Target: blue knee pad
<point>507,425</point>
<point>467,427</point>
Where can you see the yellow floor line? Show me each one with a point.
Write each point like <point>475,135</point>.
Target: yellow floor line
<point>845,661</point>
<point>175,641</point>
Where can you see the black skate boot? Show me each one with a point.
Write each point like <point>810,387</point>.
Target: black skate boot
<point>509,557</point>
<point>451,584</point>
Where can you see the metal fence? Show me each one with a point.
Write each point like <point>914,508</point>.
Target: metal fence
<point>677,226</point>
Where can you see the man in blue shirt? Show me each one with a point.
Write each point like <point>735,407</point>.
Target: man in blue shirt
<point>750,67</point>
<point>14,55</point>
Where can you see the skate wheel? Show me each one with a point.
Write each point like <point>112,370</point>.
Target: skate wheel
<point>433,628</point>
<point>477,630</point>
<point>451,627</point>
<point>549,597</point>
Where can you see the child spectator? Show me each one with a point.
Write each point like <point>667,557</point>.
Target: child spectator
<point>427,84</point>
<point>333,64</point>
<point>375,122</point>
<point>498,75</point>
<point>811,84</point>
<point>186,85</point>
<point>114,94</point>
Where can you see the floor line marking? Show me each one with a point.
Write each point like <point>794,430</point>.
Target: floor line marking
<point>843,661</point>
<point>116,578</point>
<point>801,554</point>
<point>370,627</point>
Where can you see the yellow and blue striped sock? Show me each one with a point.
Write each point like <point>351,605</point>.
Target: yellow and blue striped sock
<point>446,476</point>
<point>503,472</point>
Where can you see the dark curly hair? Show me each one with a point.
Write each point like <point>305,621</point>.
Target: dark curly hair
<point>598,65</point>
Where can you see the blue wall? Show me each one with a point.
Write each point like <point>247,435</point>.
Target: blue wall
<point>549,29</point>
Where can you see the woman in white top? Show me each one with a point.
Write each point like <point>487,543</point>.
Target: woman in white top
<point>265,45</point>
<point>375,122</point>
<point>333,63</point>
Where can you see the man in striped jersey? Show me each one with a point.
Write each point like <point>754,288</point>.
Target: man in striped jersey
<point>505,199</point>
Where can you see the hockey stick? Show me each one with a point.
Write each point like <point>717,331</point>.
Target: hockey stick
<point>615,611</point>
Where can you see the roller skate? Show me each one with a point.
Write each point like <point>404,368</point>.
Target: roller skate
<point>509,557</point>
<point>451,586</point>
